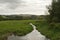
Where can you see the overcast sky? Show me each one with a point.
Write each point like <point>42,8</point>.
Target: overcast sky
<point>37,7</point>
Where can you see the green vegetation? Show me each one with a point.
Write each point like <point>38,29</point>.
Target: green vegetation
<point>54,11</point>
<point>51,26</point>
<point>51,31</point>
<point>16,27</point>
<point>19,17</point>
<point>19,24</point>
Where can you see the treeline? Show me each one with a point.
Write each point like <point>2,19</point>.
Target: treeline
<point>54,20</point>
<point>54,11</point>
<point>51,27</point>
<point>20,17</point>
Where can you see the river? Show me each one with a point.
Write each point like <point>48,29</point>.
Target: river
<point>34,35</point>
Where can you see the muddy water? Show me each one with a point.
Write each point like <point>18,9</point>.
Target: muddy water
<point>34,35</point>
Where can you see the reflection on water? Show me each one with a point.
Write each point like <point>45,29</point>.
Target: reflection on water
<point>34,35</point>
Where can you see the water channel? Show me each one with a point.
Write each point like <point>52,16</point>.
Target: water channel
<point>34,35</point>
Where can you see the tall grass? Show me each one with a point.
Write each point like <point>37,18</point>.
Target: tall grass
<point>17,27</point>
<point>51,31</point>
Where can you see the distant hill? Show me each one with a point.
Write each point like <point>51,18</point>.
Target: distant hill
<point>21,17</point>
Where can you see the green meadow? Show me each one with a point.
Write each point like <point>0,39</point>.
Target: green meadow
<point>22,27</point>
<point>16,27</point>
<point>51,31</point>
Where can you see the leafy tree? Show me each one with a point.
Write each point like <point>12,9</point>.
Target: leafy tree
<point>54,11</point>
<point>1,18</point>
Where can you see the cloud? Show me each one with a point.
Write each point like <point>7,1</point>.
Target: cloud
<point>11,4</point>
<point>9,1</point>
<point>23,6</point>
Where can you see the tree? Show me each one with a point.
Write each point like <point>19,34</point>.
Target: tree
<point>54,11</point>
<point>1,18</point>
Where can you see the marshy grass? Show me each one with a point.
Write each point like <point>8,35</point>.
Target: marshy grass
<point>51,31</point>
<point>16,27</point>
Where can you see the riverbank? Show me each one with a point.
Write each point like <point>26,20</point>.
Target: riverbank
<point>34,35</point>
<point>50,31</point>
<point>16,27</point>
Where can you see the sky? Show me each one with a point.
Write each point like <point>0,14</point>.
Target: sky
<point>35,7</point>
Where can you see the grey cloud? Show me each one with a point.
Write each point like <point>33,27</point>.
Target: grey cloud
<point>12,4</point>
<point>22,6</point>
<point>9,1</point>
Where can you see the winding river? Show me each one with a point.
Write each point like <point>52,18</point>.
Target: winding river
<point>34,35</point>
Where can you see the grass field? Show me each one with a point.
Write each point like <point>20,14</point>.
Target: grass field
<point>52,32</point>
<point>17,27</point>
<point>22,27</point>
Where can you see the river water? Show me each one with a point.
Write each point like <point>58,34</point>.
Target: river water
<point>34,35</point>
